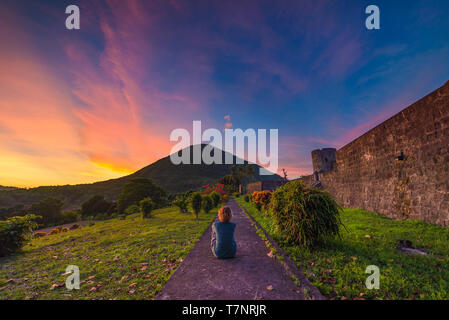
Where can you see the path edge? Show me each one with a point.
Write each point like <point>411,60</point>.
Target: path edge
<point>288,264</point>
<point>159,295</point>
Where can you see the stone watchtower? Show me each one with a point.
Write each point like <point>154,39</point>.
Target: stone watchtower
<point>323,159</point>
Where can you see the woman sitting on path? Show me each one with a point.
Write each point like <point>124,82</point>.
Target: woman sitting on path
<point>222,243</point>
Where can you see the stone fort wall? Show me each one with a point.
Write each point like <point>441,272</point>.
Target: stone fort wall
<point>400,168</point>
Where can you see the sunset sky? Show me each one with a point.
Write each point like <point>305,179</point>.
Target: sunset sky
<point>86,105</point>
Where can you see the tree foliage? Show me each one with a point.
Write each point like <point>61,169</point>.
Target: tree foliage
<point>181,203</point>
<point>49,209</point>
<point>138,189</point>
<point>146,206</point>
<point>94,206</point>
<point>303,215</point>
<point>15,232</point>
<point>197,199</point>
<point>215,198</point>
<point>207,204</point>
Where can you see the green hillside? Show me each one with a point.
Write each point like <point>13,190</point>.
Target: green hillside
<point>173,178</point>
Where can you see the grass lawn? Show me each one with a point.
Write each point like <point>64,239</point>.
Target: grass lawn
<point>118,259</point>
<point>338,270</point>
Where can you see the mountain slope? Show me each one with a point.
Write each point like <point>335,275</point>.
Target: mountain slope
<point>173,178</point>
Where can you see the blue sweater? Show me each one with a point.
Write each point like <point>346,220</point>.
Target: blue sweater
<point>222,243</point>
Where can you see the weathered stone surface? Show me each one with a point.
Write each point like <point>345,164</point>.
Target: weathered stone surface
<point>401,167</point>
<point>263,185</point>
<point>323,159</point>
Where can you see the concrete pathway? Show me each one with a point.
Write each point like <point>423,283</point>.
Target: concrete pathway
<point>201,276</point>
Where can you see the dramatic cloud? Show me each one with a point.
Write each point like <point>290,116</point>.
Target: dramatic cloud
<point>100,102</point>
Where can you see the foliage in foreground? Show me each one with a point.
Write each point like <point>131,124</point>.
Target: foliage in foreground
<point>118,259</point>
<point>15,232</point>
<point>261,198</point>
<point>338,269</point>
<point>306,216</point>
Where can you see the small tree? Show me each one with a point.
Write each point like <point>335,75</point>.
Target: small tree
<point>196,203</point>
<point>215,198</point>
<point>207,204</point>
<point>181,203</point>
<point>146,206</point>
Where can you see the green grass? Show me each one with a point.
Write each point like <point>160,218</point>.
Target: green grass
<point>146,252</point>
<point>338,269</point>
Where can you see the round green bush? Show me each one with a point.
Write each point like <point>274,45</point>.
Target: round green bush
<point>215,198</point>
<point>181,203</point>
<point>246,198</point>
<point>146,206</point>
<point>207,204</point>
<point>305,216</point>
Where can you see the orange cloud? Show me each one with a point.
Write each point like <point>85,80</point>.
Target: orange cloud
<point>49,137</point>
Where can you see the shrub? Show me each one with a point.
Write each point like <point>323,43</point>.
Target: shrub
<point>218,188</point>
<point>261,198</point>
<point>246,198</point>
<point>181,203</point>
<point>225,198</point>
<point>303,215</point>
<point>15,232</point>
<point>196,203</point>
<point>146,206</point>
<point>132,209</point>
<point>74,226</point>
<point>207,204</point>
<point>236,194</point>
<point>215,198</point>
<point>64,229</point>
